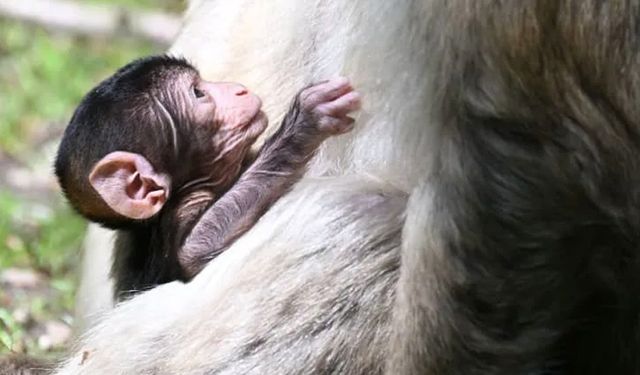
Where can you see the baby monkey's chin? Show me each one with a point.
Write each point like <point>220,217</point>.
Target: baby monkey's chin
<point>257,124</point>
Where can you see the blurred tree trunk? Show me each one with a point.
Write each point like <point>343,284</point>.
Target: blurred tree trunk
<point>95,292</point>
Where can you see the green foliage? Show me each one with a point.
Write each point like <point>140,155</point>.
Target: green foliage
<point>43,77</point>
<point>45,240</point>
<point>36,236</point>
<point>10,331</point>
<point>167,5</point>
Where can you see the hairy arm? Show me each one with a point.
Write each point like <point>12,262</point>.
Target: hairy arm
<point>317,113</point>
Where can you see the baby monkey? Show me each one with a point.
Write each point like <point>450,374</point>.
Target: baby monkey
<point>162,156</point>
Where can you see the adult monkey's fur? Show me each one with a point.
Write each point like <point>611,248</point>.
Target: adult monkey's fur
<point>491,179</point>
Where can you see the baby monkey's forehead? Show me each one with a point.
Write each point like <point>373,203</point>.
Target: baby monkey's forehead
<point>174,78</point>
<point>176,74</point>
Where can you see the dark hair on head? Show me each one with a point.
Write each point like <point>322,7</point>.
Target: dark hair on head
<point>106,120</point>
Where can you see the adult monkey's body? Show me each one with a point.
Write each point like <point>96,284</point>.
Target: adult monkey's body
<point>512,206</point>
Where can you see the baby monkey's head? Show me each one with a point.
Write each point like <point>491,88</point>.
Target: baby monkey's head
<point>150,131</point>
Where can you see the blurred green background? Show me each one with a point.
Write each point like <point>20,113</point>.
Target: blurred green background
<point>43,75</point>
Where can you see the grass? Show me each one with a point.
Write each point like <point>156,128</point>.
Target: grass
<point>42,77</point>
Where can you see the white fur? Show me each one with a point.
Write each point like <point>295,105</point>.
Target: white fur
<point>95,295</point>
<point>275,48</point>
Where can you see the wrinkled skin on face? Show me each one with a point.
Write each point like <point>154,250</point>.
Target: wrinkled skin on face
<point>231,115</point>
<point>237,111</point>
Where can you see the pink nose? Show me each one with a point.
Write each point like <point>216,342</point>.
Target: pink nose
<point>241,91</point>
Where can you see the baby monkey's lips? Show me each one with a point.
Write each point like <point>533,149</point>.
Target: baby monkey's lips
<point>260,119</point>
<point>253,114</point>
<point>256,125</point>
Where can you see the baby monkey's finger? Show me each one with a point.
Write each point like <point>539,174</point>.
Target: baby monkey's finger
<point>343,105</point>
<point>326,91</point>
<point>335,125</point>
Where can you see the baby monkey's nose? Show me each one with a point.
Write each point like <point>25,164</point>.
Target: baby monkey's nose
<point>241,90</point>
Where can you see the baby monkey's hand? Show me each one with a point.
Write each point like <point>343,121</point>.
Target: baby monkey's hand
<point>328,104</point>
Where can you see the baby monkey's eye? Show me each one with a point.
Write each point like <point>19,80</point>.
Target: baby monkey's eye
<point>197,92</point>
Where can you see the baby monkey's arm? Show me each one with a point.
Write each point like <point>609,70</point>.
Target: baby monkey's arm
<point>318,112</point>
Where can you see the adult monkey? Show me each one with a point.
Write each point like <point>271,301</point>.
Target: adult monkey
<point>519,176</point>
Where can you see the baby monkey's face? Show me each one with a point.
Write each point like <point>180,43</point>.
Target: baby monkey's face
<point>227,114</point>
<point>230,109</point>
<point>228,105</point>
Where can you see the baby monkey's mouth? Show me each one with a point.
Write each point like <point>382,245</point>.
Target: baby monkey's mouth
<point>246,114</point>
<point>255,127</point>
<point>259,117</point>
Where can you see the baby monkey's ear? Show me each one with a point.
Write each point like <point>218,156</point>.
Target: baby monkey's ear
<point>128,183</point>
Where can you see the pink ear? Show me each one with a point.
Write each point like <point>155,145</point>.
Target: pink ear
<point>129,185</point>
